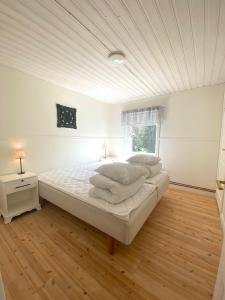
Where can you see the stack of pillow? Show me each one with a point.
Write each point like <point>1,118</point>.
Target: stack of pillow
<point>117,182</point>
<point>151,163</point>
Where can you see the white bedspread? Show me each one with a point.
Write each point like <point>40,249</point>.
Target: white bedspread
<point>161,181</point>
<point>75,181</point>
<point>157,179</point>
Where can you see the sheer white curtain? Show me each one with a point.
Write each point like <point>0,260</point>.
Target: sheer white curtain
<point>138,118</point>
<point>141,117</point>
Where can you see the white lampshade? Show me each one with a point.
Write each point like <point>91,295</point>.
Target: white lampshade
<point>20,153</point>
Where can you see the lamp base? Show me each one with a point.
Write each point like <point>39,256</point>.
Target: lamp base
<point>21,168</point>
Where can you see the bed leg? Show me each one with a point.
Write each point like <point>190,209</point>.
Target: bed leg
<point>42,201</point>
<point>111,245</point>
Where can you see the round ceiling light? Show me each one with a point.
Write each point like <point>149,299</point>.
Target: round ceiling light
<point>117,58</point>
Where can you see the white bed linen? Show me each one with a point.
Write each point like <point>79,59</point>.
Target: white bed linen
<point>74,181</point>
<point>123,230</point>
<point>157,179</point>
<point>160,181</point>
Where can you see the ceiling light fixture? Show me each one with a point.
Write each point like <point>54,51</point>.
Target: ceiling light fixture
<point>117,58</point>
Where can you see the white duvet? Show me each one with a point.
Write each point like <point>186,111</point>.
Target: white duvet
<point>75,182</point>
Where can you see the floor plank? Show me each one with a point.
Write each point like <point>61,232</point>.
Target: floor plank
<point>50,254</point>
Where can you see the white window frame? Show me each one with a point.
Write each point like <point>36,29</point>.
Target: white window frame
<point>158,127</point>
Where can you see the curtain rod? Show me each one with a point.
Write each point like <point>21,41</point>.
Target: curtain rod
<point>141,109</point>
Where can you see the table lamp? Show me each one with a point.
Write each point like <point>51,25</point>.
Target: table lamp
<point>104,148</point>
<point>20,154</point>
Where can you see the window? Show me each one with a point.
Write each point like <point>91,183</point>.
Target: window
<point>144,139</point>
<point>141,130</point>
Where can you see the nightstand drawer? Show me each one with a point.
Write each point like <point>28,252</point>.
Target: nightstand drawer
<point>20,184</point>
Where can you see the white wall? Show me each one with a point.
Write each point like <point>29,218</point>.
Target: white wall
<point>190,133</point>
<point>28,120</point>
<point>189,140</point>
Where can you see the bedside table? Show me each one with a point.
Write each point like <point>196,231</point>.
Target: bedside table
<point>18,194</point>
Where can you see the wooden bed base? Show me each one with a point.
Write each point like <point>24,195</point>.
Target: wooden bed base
<point>112,244</point>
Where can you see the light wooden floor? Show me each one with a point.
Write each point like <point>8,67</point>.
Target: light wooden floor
<point>52,255</point>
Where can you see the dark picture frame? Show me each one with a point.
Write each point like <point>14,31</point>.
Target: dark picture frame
<point>66,116</point>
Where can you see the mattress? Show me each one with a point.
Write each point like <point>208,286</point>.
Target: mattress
<point>161,181</point>
<point>157,179</point>
<point>74,181</point>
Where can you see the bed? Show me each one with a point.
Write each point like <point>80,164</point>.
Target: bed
<point>68,189</point>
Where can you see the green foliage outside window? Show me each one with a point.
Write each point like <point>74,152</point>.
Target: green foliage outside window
<point>144,139</point>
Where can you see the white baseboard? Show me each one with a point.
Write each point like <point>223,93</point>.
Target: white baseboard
<point>193,190</point>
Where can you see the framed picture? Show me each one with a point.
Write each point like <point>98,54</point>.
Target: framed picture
<point>66,116</point>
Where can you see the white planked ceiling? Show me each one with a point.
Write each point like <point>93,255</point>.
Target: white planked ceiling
<point>170,45</point>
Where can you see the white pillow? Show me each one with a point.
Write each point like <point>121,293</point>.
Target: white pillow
<point>147,159</point>
<point>122,172</point>
<point>118,193</point>
<point>154,169</point>
<point>103,182</point>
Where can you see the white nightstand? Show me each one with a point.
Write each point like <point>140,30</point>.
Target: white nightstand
<point>18,194</point>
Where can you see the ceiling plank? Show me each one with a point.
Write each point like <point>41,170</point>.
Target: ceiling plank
<point>170,45</point>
